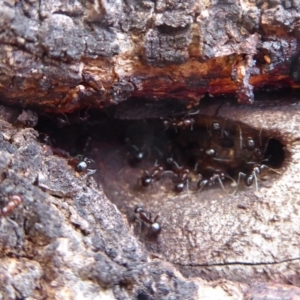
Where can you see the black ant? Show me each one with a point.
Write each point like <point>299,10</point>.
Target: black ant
<point>151,176</point>
<point>183,122</point>
<point>135,155</point>
<point>145,217</point>
<point>257,150</point>
<point>216,128</point>
<point>181,178</point>
<point>254,174</point>
<point>13,203</point>
<point>251,146</point>
<point>81,165</point>
<point>217,175</point>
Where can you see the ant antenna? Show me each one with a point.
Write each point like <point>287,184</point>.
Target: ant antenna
<point>224,131</point>
<point>67,119</point>
<point>176,164</point>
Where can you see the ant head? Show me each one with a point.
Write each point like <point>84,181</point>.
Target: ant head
<point>138,209</point>
<point>216,126</point>
<point>138,157</point>
<point>179,187</point>
<point>135,156</point>
<point>222,176</point>
<point>250,143</point>
<point>258,153</point>
<point>146,180</point>
<point>210,152</point>
<point>81,166</point>
<point>166,123</point>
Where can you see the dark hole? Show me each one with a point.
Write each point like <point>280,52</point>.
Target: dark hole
<point>166,29</point>
<point>275,153</point>
<point>126,148</point>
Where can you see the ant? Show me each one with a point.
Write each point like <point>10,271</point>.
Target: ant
<point>13,203</point>
<point>253,175</point>
<point>182,122</point>
<point>81,165</point>
<point>181,178</point>
<point>217,175</point>
<point>216,128</point>
<point>145,217</point>
<point>150,176</point>
<point>257,150</point>
<point>135,155</point>
<point>251,146</point>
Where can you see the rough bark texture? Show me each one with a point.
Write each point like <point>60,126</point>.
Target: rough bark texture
<point>64,55</point>
<point>68,240</point>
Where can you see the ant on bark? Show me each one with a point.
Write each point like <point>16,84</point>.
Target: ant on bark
<point>254,175</point>
<point>81,165</point>
<point>180,122</point>
<point>181,178</point>
<point>151,176</point>
<point>145,217</point>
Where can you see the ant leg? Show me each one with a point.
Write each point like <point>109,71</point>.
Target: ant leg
<point>202,185</point>
<point>187,187</point>
<point>194,113</point>
<point>270,169</point>
<point>241,137</point>
<point>234,184</point>
<point>176,164</point>
<point>89,172</point>
<point>222,135</point>
<point>239,178</point>
<point>88,160</point>
<point>196,167</point>
<point>79,157</point>
<point>221,183</point>
<point>256,181</point>
<point>158,152</point>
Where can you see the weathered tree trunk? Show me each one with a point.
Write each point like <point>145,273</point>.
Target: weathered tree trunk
<point>67,240</point>
<point>60,55</point>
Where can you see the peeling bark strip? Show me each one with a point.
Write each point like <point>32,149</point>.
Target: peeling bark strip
<point>58,55</point>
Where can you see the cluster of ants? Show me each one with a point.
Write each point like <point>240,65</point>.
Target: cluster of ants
<point>204,151</point>
<point>193,151</point>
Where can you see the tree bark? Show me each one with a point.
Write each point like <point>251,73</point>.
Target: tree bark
<point>67,239</point>
<point>61,56</point>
